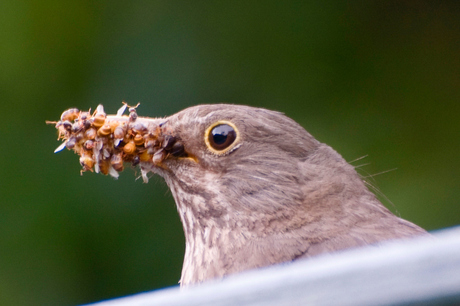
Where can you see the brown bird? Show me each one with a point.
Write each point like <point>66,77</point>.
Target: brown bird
<point>252,187</point>
<point>257,189</point>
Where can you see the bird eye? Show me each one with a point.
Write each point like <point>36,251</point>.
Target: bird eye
<point>220,137</point>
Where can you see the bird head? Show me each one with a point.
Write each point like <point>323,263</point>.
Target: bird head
<point>243,158</point>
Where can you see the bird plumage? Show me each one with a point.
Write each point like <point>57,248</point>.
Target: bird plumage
<point>276,196</point>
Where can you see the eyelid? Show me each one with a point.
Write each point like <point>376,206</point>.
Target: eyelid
<point>229,148</point>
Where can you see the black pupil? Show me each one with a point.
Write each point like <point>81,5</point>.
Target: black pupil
<point>222,136</point>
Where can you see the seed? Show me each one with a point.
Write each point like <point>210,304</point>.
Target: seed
<point>119,132</point>
<point>138,140</point>
<point>90,133</point>
<point>104,166</point>
<point>99,120</point>
<point>104,130</point>
<point>168,142</point>
<point>145,156</point>
<point>67,125</point>
<point>70,114</point>
<point>117,162</point>
<point>129,148</point>
<point>132,116</point>
<point>70,144</point>
<point>89,144</point>
<point>139,127</point>
<point>136,160</point>
<point>86,162</point>
<point>158,157</point>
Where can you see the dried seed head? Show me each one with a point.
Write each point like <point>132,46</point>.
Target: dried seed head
<point>104,142</point>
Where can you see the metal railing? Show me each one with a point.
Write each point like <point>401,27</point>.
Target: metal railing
<point>407,272</point>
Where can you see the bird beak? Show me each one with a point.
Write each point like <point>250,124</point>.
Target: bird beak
<point>105,142</point>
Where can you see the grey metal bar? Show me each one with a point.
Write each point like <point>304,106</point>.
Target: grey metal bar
<point>420,271</point>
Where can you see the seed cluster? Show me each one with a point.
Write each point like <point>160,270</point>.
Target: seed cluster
<point>104,142</point>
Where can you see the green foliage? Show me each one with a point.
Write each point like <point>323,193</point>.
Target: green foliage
<point>366,77</point>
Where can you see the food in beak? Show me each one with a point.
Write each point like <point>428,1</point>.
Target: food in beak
<point>104,142</point>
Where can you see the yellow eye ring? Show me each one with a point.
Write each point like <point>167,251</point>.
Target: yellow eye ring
<point>221,137</point>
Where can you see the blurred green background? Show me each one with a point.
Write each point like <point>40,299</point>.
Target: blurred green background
<point>377,78</point>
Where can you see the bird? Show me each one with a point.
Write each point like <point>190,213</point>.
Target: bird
<point>253,188</point>
<point>260,190</point>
